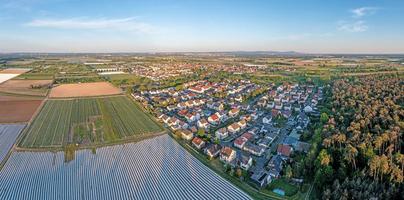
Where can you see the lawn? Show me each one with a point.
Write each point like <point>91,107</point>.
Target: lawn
<point>91,121</point>
<point>283,185</point>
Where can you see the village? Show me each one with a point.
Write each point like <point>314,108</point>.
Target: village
<point>247,126</point>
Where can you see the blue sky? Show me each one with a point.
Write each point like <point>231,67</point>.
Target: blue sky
<point>312,26</point>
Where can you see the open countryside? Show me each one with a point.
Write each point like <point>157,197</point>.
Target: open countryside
<point>202,100</point>
<point>88,121</point>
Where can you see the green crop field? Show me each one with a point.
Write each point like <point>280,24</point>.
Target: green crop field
<point>87,122</point>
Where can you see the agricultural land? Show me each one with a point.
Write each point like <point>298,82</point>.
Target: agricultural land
<point>84,90</point>
<point>87,122</point>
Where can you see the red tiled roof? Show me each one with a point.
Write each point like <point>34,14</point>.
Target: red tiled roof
<point>247,135</point>
<point>284,150</point>
<point>197,141</point>
<point>214,117</point>
<point>239,141</point>
<point>226,151</point>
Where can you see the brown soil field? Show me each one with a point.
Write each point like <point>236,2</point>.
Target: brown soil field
<point>84,90</point>
<point>14,109</point>
<point>26,87</point>
<point>13,71</point>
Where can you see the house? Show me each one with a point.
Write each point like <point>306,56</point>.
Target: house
<point>271,104</point>
<point>242,124</point>
<point>245,162</point>
<point>247,135</point>
<point>302,147</point>
<point>173,121</point>
<point>254,149</point>
<point>227,154</point>
<point>271,136</point>
<point>284,150</point>
<point>165,119</point>
<point>182,112</point>
<point>286,113</point>
<point>267,120</point>
<point>222,133</point>
<point>202,123</point>
<point>240,142</point>
<point>308,109</point>
<point>234,112</point>
<point>190,117</point>
<point>287,106</point>
<point>213,150</point>
<point>261,178</point>
<point>183,125</point>
<point>291,141</point>
<point>275,166</point>
<point>233,128</point>
<point>214,119</point>
<point>186,134</point>
<point>264,142</point>
<point>278,105</point>
<point>198,142</point>
<point>239,98</point>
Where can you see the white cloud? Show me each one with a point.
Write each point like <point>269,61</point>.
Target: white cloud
<point>363,11</point>
<point>354,27</point>
<point>122,24</point>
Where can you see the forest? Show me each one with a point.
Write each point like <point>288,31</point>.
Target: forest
<point>361,155</point>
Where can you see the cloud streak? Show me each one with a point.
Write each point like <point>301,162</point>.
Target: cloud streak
<point>353,27</point>
<point>121,24</point>
<point>356,23</point>
<point>363,11</point>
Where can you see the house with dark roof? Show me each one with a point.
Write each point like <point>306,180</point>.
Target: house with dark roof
<point>254,149</point>
<point>213,150</point>
<point>261,178</point>
<point>275,166</point>
<point>245,162</point>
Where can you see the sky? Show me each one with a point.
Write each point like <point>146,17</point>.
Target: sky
<point>309,26</point>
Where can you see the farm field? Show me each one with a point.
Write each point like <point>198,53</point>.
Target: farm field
<point>156,168</point>
<point>10,73</point>
<point>8,135</point>
<point>84,90</point>
<point>87,122</point>
<point>26,87</point>
<point>15,109</point>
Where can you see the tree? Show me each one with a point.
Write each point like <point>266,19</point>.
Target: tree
<point>201,132</point>
<point>323,158</point>
<point>350,154</point>
<point>324,118</point>
<point>288,172</point>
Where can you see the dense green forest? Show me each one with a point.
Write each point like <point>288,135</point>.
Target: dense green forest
<point>362,150</point>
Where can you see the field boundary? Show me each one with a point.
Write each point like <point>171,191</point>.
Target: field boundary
<point>131,139</point>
